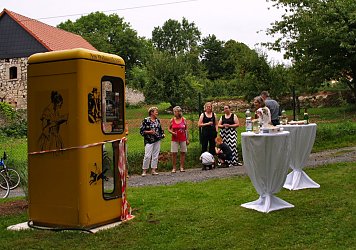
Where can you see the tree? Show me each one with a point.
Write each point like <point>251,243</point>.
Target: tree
<point>138,77</point>
<point>174,63</point>
<point>212,57</point>
<point>175,37</point>
<point>245,67</point>
<point>169,80</point>
<point>319,35</point>
<point>111,34</point>
<point>281,83</point>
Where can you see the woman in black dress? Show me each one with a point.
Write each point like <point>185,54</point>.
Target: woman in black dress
<point>209,128</point>
<point>228,124</point>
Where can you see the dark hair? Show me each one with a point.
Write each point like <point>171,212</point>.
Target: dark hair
<point>265,93</point>
<point>56,98</point>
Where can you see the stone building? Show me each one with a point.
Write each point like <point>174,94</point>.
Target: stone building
<point>20,37</point>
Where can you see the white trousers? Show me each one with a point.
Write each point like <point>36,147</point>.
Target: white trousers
<point>151,155</point>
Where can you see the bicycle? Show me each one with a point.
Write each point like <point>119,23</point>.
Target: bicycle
<point>11,175</point>
<point>5,188</point>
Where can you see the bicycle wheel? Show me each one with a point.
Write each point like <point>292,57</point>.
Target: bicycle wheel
<point>4,187</point>
<point>12,177</point>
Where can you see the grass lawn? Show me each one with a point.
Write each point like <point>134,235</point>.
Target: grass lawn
<point>208,215</point>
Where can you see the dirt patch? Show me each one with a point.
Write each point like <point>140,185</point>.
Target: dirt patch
<point>13,207</point>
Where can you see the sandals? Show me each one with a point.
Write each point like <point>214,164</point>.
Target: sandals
<point>175,171</point>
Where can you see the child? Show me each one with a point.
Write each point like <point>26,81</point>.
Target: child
<point>207,160</point>
<point>223,152</point>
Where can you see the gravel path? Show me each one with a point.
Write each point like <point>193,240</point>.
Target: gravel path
<point>196,175</point>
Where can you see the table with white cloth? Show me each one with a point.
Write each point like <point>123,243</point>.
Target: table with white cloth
<point>302,141</point>
<point>266,159</point>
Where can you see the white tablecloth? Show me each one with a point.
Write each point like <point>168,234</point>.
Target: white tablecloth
<point>266,159</point>
<point>302,137</point>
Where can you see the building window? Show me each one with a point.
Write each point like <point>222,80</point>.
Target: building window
<point>13,73</point>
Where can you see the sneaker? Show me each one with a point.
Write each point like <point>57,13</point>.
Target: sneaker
<point>143,174</point>
<point>154,173</point>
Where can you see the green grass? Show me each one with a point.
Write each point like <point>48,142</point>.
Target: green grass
<point>347,113</point>
<point>335,135</point>
<point>208,215</point>
<point>16,148</point>
<point>142,112</point>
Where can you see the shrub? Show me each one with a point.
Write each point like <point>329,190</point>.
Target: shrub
<point>7,112</point>
<point>13,123</point>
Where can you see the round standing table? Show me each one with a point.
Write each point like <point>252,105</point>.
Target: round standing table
<point>302,141</point>
<point>266,159</point>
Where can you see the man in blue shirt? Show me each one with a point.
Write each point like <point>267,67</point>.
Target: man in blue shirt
<point>273,107</point>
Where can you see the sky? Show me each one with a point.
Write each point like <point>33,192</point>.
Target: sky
<point>239,20</point>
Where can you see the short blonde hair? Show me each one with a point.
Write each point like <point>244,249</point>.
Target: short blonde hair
<point>208,104</point>
<point>151,109</point>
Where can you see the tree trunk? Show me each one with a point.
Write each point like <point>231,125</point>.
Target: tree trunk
<point>352,86</point>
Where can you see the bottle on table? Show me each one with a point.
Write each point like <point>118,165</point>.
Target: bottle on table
<point>306,116</point>
<point>248,121</point>
<point>284,117</point>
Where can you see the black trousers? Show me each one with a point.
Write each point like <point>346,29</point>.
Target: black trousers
<point>224,157</point>
<point>207,141</point>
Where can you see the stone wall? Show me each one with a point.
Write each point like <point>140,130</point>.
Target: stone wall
<point>315,100</point>
<point>236,105</point>
<point>134,96</point>
<point>14,91</point>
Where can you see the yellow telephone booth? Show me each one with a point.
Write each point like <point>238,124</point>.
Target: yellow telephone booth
<point>76,110</point>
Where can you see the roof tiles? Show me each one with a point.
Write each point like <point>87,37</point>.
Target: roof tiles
<point>51,37</point>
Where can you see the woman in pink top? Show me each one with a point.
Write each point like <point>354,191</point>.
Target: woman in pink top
<point>179,130</point>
